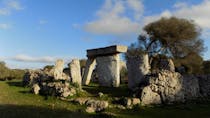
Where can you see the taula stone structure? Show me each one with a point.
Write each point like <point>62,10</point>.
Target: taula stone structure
<point>108,65</point>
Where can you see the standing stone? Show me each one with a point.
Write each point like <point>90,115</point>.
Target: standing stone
<point>75,71</point>
<point>138,67</point>
<point>58,70</point>
<point>90,65</point>
<point>108,69</point>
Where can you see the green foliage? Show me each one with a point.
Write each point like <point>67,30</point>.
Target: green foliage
<point>8,74</point>
<point>173,37</point>
<point>192,62</point>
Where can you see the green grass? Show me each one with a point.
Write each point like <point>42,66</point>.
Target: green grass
<point>17,102</point>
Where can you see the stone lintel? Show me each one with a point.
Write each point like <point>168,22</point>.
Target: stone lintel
<point>106,51</point>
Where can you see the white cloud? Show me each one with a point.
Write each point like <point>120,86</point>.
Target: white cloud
<point>180,5</point>
<point>9,6</point>
<point>199,13</point>
<point>112,20</point>
<point>26,58</point>
<point>137,6</point>
<point>4,26</point>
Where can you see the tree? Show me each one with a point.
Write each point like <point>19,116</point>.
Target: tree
<point>170,37</point>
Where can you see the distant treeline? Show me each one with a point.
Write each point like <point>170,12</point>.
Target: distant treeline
<point>9,74</point>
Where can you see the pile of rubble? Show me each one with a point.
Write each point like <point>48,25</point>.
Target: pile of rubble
<point>54,81</point>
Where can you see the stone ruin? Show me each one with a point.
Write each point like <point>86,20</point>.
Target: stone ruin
<point>162,87</point>
<point>108,65</point>
<point>54,81</point>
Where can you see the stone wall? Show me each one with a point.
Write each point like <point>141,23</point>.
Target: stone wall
<point>166,87</point>
<point>204,84</point>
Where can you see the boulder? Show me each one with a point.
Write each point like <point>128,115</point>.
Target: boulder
<point>35,89</point>
<point>164,87</point>
<point>135,101</point>
<point>149,97</point>
<point>96,105</point>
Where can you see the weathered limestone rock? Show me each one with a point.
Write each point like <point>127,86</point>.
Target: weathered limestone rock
<point>149,97</point>
<point>166,86</point>
<point>135,101</point>
<point>191,87</point>
<point>58,70</point>
<point>58,89</point>
<point>96,105</point>
<point>108,70</point>
<point>75,71</point>
<point>204,83</point>
<point>33,77</point>
<point>137,68</point>
<point>106,51</point>
<point>167,64</point>
<point>90,65</point>
<point>35,89</point>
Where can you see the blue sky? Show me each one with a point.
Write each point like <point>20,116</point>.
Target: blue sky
<point>34,33</point>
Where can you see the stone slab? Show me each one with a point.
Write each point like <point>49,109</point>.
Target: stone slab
<point>75,71</point>
<point>90,65</point>
<point>106,51</point>
<point>108,69</point>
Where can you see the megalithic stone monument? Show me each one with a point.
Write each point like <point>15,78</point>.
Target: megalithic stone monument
<point>108,65</point>
<point>75,71</point>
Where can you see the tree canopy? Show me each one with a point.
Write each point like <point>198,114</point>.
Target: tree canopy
<point>172,37</point>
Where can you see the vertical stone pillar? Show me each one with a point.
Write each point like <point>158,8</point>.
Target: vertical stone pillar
<point>90,65</point>
<point>75,71</point>
<point>108,69</point>
<point>138,66</point>
<point>58,69</point>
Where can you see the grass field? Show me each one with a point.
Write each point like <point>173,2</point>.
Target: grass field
<point>17,102</point>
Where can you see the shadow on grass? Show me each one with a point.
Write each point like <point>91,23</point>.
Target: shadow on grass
<point>111,91</point>
<point>15,83</point>
<point>15,111</point>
